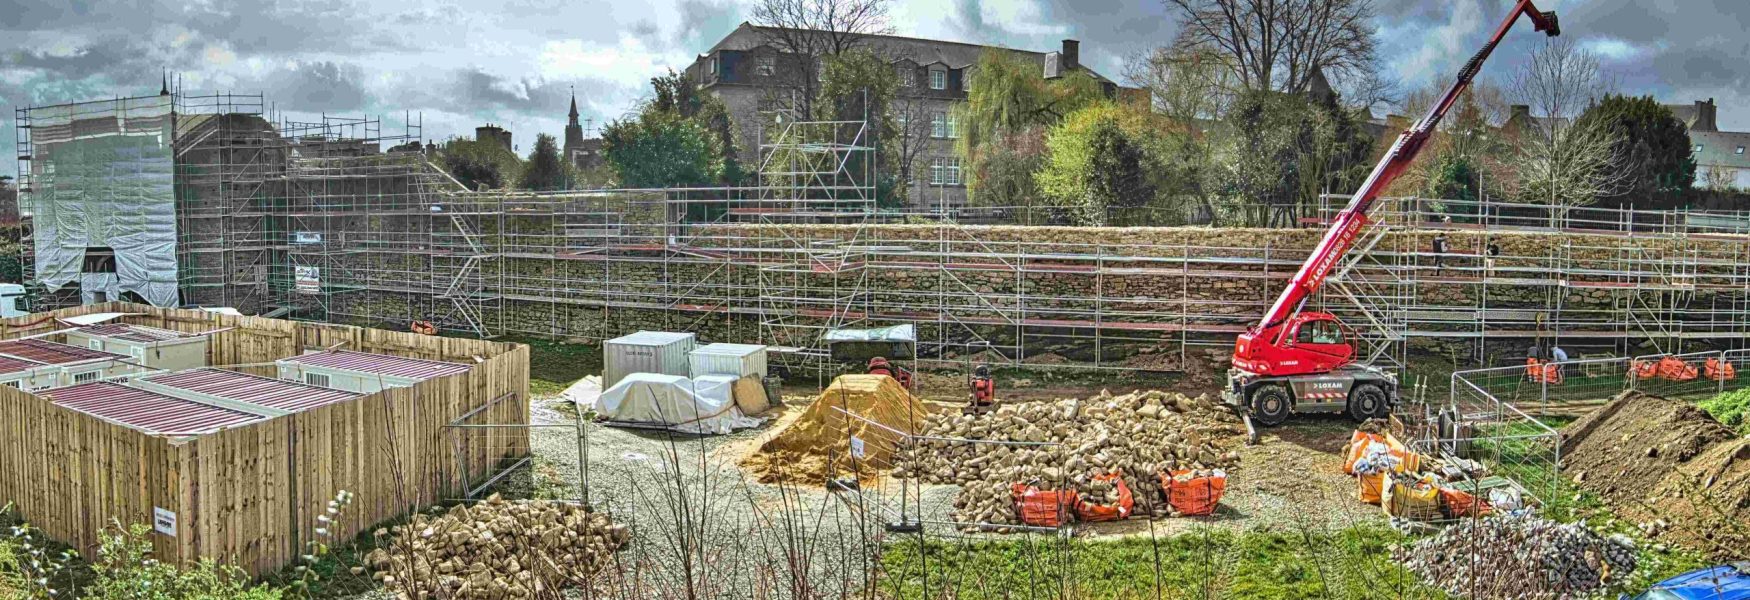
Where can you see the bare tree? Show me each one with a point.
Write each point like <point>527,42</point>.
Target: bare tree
<point>804,31</point>
<point>1184,86</point>
<point>1720,178</point>
<point>1279,44</point>
<point>1563,160</point>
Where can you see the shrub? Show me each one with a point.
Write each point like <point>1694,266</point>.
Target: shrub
<point>126,570</point>
<point>1731,408</point>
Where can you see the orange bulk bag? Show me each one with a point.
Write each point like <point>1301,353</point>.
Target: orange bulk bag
<point>1195,496</point>
<point>1371,487</point>
<point>1358,442</point>
<point>1720,371</point>
<point>1041,508</point>
<point>1094,512</point>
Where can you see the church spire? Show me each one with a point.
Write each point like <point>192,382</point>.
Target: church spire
<point>164,83</point>
<point>573,105</point>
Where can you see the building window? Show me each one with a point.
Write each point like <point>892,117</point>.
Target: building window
<point>711,65</point>
<point>953,127</point>
<point>1698,147</point>
<point>966,80</point>
<point>94,345</point>
<point>15,384</point>
<point>85,377</point>
<point>908,77</point>
<point>903,122</point>
<point>945,170</point>
<point>938,125</point>
<point>1740,150</point>
<point>938,78</point>
<point>765,66</point>
<point>316,379</point>
<point>139,353</point>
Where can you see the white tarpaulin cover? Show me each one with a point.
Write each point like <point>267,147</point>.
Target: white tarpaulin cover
<point>102,176</point>
<point>703,405</point>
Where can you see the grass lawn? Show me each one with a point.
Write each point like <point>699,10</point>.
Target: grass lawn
<point>553,365</point>
<point>1207,563</point>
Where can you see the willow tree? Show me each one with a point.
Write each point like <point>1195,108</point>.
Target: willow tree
<point>1010,99</point>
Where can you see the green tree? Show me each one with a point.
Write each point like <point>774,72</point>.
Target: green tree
<point>1098,164</point>
<point>480,164</point>
<point>679,94</point>
<point>1282,150</point>
<point>1652,148</point>
<point>660,148</point>
<point>1008,97</point>
<point>545,172</point>
<point>856,85</point>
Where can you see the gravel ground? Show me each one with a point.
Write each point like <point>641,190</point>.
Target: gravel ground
<point>679,491</point>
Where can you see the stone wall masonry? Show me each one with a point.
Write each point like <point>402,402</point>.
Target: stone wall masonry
<point>1200,277</point>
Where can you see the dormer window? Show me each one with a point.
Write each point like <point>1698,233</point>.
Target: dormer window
<point>938,78</point>
<point>711,65</point>
<point>908,77</point>
<point>766,66</point>
<point>966,80</point>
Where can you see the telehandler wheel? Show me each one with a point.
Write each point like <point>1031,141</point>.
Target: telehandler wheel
<point>1271,405</point>
<point>1367,401</point>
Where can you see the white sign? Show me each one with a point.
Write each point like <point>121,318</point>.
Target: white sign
<point>857,447</point>
<point>306,237</point>
<point>164,521</point>
<point>307,280</point>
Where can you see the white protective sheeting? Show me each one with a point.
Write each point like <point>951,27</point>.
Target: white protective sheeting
<point>103,176</point>
<point>703,406</point>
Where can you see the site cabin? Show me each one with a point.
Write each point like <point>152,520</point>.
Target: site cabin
<point>362,372</point>
<point>151,347</point>
<point>36,364</point>
<point>194,402</point>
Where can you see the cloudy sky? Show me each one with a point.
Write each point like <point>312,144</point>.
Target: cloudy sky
<point>459,64</point>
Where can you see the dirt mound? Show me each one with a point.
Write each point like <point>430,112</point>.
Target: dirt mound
<point>818,444</point>
<point>1668,464</point>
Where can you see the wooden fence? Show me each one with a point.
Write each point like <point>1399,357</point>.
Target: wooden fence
<point>252,495</point>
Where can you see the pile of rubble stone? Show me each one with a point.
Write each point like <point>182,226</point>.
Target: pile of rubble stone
<point>1066,444</point>
<point>496,549</point>
<point>1519,557</point>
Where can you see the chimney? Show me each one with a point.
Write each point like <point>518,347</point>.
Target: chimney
<point>1071,55</point>
<point>1705,116</point>
<point>1519,113</point>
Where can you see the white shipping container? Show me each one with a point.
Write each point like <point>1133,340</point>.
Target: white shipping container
<point>739,360</point>
<point>660,352</point>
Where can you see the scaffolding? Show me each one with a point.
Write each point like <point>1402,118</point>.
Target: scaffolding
<point>313,220</point>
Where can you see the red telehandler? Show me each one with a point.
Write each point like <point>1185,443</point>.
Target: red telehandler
<point>1294,361</point>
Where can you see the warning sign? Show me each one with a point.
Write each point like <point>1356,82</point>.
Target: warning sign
<point>164,521</point>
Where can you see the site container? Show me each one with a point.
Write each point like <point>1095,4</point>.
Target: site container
<point>661,352</point>
<point>739,360</point>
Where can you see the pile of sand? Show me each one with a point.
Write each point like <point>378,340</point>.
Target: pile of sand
<point>817,446</point>
<point>1669,463</point>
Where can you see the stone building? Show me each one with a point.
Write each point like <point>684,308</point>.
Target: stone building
<point>584,154</point>
<point>750,75</point>
<point>493,133</point>
<point>1720,159</point>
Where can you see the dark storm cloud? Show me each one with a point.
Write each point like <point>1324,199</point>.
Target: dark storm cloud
<point>514,62</point>
<point>319,87</point>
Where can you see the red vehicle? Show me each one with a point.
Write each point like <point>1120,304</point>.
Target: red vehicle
<point>1294,361</point>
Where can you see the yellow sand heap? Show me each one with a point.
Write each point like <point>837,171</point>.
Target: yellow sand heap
<point>818,445</point>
